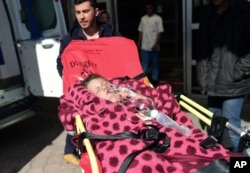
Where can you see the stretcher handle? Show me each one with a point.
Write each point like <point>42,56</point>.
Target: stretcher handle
<point>89,148</point>
<point>197,106</point>
<point>195,112</point>
<point>210,114</point>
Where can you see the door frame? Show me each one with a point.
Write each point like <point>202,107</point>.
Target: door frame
<point>188,62</point>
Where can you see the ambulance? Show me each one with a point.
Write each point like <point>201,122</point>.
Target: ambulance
<point>30,34</point>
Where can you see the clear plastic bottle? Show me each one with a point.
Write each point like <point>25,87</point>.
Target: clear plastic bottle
<point>166,121</point>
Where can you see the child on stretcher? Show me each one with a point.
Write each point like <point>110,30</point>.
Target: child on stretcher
<point>115,106</point>
<point>102,88</point>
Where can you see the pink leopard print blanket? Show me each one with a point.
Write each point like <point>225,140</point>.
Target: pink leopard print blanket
<point>103,117</point>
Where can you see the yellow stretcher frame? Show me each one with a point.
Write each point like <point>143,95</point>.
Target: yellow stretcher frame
<point>92,157</point>
<point>193,108</point>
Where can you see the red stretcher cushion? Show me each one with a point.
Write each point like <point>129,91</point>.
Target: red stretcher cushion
<point>109,56</point>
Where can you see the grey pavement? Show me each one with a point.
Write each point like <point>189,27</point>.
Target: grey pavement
<point>49,159</point>
<point>36,144</point>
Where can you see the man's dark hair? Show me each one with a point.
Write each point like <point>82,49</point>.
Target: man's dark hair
<point>150,2</point>
<point>93,3</point>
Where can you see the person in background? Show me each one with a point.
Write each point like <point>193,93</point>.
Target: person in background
<point>104,16</point>
<point>150,30</point>
<point>223,64</point>
<point>87,27</point>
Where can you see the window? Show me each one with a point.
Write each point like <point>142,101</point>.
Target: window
<point>38,15</point>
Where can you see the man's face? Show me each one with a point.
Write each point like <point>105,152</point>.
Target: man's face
<point>86,15</point>
<point>149,10</point>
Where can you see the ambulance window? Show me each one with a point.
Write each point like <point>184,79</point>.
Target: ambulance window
<point>38,13</point>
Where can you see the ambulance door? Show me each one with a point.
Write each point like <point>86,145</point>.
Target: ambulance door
<point>38,26</point>
<point>11,85</point>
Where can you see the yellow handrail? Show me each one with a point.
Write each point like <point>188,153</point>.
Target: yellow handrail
<point>93,159</point>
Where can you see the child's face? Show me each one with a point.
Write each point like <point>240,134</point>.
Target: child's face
<point>100,87</point>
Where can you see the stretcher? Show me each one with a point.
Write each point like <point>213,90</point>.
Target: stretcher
<point>96,56</point>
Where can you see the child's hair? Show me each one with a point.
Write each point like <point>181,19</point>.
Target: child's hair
<point>89,78</point>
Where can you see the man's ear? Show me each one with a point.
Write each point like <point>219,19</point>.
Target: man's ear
<point>97,12</point>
